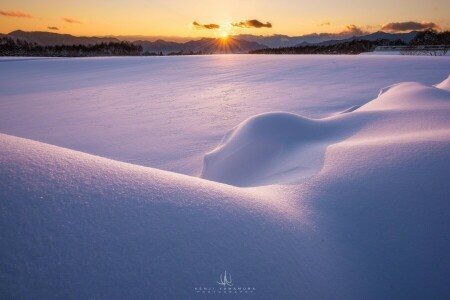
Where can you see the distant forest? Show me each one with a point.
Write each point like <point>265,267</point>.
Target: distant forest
<point>17,47</point>
<point>350,47</point>
<point>12,47</point>
<point>428,37</point>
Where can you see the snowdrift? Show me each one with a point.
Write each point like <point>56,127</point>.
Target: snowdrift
<point>275,148</point>
<point>367,218</point>
<point>272,148</point>
<point>77,226</point>
<point>445,85</point>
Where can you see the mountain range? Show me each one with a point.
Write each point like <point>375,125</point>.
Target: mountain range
<point>202,46</point>
<point>234,44</point>
<point>379,35</point>
<point>277,40</point>
<point>45,38</point>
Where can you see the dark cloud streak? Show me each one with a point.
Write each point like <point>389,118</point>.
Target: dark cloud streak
<point>72,21</point>
<point>205,26</point>
<point>52,28</point>
<point>241,24</point>
<point>407,26</point>
<point>252,24</point>
<point>16,14</point>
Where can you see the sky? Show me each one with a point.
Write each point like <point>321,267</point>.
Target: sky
<point>176,17</point>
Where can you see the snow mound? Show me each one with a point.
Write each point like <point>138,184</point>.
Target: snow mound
<point>269,148</point>
<point>78,226</point>
<point>445,85</point>
<point>276,148</point>
<point>385,89</point>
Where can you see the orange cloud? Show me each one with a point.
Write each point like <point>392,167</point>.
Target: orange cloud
<point>52,28</point>
<point>205,26</point>
<point>353,29</point>
<point>70,20</point>
<point>16,14</point>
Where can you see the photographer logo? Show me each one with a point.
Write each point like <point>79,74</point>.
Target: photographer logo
<point>225,286</point>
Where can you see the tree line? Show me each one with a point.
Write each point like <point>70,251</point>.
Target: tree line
<point>13,47</point>
<point>350,47</point>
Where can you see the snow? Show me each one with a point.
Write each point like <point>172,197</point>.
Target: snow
<point>167,112</point>
<point>270,148</point>
<point>445,85</point>
<point>275,148</point>
<point>336,205</point>
<point>392,52</point>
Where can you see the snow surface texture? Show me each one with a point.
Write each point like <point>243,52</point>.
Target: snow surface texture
<point>167,112</point>
<point>366,219</point>
<point>393,52</point>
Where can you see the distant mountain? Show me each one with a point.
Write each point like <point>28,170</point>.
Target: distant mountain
<point>229,45</point>
<point>51,39</point>
<point>278,40</point>
<point>379,35</point>
<point>152,38</point>
<point>243,43</point>
<point>204,46</point>
<point>160,46</point>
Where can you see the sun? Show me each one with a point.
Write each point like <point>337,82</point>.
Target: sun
<point>225,31</point>
<point>224,35</point>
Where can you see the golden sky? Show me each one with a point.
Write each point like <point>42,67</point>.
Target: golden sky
<point>176,17</point>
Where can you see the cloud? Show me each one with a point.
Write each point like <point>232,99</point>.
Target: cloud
<point>241,24</point>
<point>252,24</point>
<point>348,31</point>
<point>353,30</point>
<point>70,20</point>
<point>407,26</point>
<point>52,28</point>
<point>205,26</point>
<point>324,24</point>
<point>16,14</point>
